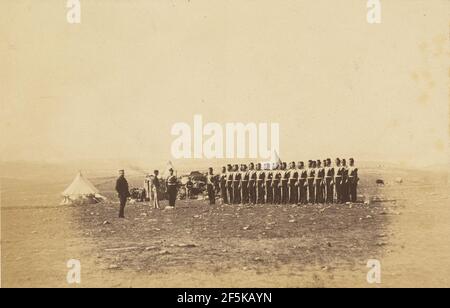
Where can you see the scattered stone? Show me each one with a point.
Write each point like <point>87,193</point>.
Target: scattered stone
<point>292,220</point>
<point>122,249</point>
<point>187,245</point>
<point>150,248</point>
<point>164,252</point>
<point>246,228</point>
<point>113,267</point>
<point>106,222</point>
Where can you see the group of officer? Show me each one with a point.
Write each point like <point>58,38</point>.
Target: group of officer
<point>318,183</point>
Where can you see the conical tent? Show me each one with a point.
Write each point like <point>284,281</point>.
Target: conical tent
<point>81,188</point>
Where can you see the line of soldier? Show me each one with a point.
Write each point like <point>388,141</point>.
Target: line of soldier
<point>319,183</point>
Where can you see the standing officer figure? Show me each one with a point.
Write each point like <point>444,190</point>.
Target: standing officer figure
<point>236,185</point>
<point>210,184</point>
<point>252,183</point>
<point>155,187</point>
<point>260,180</point>
<point>269,188</point>
<point>244,184</point>
<point>320,173</point>
<point>302,183</point>
<point>345,197</point>
<point>329,182</point>
<point>172,190</point>
<point>293,183</point>
<point>339,171</point>
<point>123,192</point>
<point>230,176</point>
<point>223,185</point>
<point>311,183</point>
<point>353,181</point>
<point>276,184</point>
<point>284,184</point>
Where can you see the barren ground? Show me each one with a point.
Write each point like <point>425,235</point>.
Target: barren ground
<point>197,245</point>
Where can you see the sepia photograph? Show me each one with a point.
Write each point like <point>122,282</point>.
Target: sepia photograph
<point>224,144</point>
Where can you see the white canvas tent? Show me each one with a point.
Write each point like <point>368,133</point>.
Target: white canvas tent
<point>275,160</point>
<point>81,191</point>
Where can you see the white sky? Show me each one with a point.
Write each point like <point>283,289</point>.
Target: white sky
<point>113,86</point>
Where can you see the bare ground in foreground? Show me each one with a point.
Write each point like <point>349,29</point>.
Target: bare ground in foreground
<point>197,245</point>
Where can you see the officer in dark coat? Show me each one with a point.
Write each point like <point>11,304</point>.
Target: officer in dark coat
<point>172,189</point>
<point>123,192</point>
<point>353,180</point>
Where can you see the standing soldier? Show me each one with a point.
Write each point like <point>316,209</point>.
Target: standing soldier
<point>302,183</point>
<point>171,186</point>
<point>284,184</point>
<point>353,181</point>
<point>344,192</point>
<point>276,184</point>
<point>236,185</point>
<point>244,183</point>
<point>210,184</point>
<point>260,180</point>
<point>223,185</point>
<point>338,180</point>
<point>252,183</point>
<point>293,184</point>
<point>230,177</point>
<point>311,183</point>
<point>269,189</point>
<point>123,192</point>
<point>320,173</point>
<point>155,187</point>
<point>329,182</point>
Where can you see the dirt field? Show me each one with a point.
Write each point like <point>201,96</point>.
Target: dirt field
<point>197,245</point>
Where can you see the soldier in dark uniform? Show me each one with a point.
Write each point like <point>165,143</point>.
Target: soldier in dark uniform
<point>236,185</point>
<point>210,186</point>
<point>269,189</point>
<point>172,188</point>
<point>223,185</point>
<point>353,181</point>
<point>284,184</point>
<point>320,174</point>
<point>230,176</point>
<point>123,192</point>
<point>293,183</point>
<point>329,182</point>
<point>302,183</point>
<point>252,183</point>
<point>344,191</point>
<point>260,181</point>
<point>276,185</point>
<point>244,184</point>
<point>338,180</point>
<point>311,182</point>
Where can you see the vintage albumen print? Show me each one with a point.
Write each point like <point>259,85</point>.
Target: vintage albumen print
<point>225,144</point>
